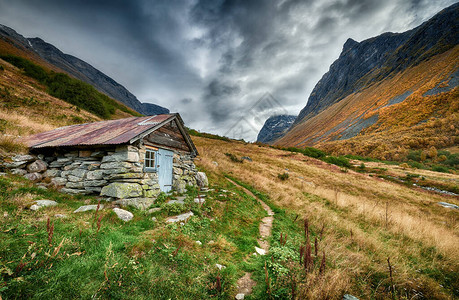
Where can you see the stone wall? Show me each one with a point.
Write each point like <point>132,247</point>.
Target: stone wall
<point>113,172</point>
<point>184,172</point>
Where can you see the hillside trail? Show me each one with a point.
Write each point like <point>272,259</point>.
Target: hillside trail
<point>246,283</point>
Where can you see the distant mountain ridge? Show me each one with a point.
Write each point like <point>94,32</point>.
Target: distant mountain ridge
<point>372,60</point>
<point>79,69</point>
<point>387,95</point>
<point>275,127</point>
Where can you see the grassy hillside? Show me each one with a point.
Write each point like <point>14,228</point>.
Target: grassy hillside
<point>390,129</point>
<point>26,108</point>
<point>366,219</point>
<point>69,89</point>
<point>355,220</point>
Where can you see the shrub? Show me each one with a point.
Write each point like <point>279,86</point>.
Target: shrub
<point>438,168</point>
<point>208,135</point>
<point>452,160</point>
<point>415,164</point>
<point>234,158</point>
<point>339,161</point>
<point>414,155</point>
<point>283,176</point>
<point>308,151</point>
<point>161,198</point>
<point>404,166</point>
<point>1,68</point>
<point>442,158</point>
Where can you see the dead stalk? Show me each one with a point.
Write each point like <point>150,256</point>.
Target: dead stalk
<point>268,286</point>
<point>392,287</point>
<point>316,247</point>
<point>99,224</point>
<point>218,284</point>
<point>322,264</point>
<point>302,249</point>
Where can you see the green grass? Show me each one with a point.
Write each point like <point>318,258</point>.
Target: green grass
<point>282,263</point>
<point>69,89</point>
<point>194,132</point>
<point>135,260</point>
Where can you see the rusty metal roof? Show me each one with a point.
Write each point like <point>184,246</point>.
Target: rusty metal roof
<point>113,132</point>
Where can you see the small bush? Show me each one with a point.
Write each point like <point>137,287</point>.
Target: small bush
<point>415,164</point>
<point>339,161</point>
<point>283,176</point>
<point>173,209</point>
<point>208,135</point>
<point>234,158</point>
<point>161,198</point>
<point>414,155</point>
<point>1,68</point>
<point>308,151</point>
<point>452,160</point>
<point>438,168</point>
<point>404,166</point>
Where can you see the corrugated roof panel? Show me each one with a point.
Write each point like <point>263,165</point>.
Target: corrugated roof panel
<point>111,132</point>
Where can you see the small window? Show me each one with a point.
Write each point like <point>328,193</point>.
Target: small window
<point>150,157</point>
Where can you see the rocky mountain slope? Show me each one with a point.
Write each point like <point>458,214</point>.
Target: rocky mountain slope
<point>41,51</point>
<point>361,64</point>
<point>274,128</point>
<point>383,86</point>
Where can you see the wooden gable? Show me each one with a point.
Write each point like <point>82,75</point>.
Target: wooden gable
<point>168,135</point>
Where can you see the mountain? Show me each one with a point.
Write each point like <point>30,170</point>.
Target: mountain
<point>41,51</point>
<point>274,128</point>
<point>382,89</point>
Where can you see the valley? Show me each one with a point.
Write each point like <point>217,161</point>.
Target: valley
<point>356,196</point>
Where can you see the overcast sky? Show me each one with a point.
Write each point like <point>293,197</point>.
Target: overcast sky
<point>212,60</point>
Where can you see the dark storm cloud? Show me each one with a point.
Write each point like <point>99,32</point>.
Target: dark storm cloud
<point>219,95</point>
<point>211,60</point>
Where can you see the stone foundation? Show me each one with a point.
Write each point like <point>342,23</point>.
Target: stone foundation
<point>113,172</point>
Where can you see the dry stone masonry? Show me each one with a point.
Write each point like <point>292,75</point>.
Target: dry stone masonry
<point>116,173</point>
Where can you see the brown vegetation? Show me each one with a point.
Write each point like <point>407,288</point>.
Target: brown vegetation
<point>367,220</point>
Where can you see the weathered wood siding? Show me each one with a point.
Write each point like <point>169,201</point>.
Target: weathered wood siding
<point>168,135</point>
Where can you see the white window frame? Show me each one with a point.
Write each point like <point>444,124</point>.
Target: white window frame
<point>153,157</point>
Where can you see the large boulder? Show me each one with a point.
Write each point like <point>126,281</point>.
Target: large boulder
<point>201,179</point>
<point>37,166</point>
<point>180,218</point>
<point>42,203</point>
<point>122,190</point>
<point>88,208</point>
<point>124,215</point>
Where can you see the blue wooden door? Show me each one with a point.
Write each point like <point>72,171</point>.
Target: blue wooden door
<point>164,166</point>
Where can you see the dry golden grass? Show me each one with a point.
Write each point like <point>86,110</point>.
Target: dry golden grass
<point>25,109</point>
<point>366,219</point>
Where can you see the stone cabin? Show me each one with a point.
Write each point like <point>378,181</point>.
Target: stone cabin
<point>128,160</point>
